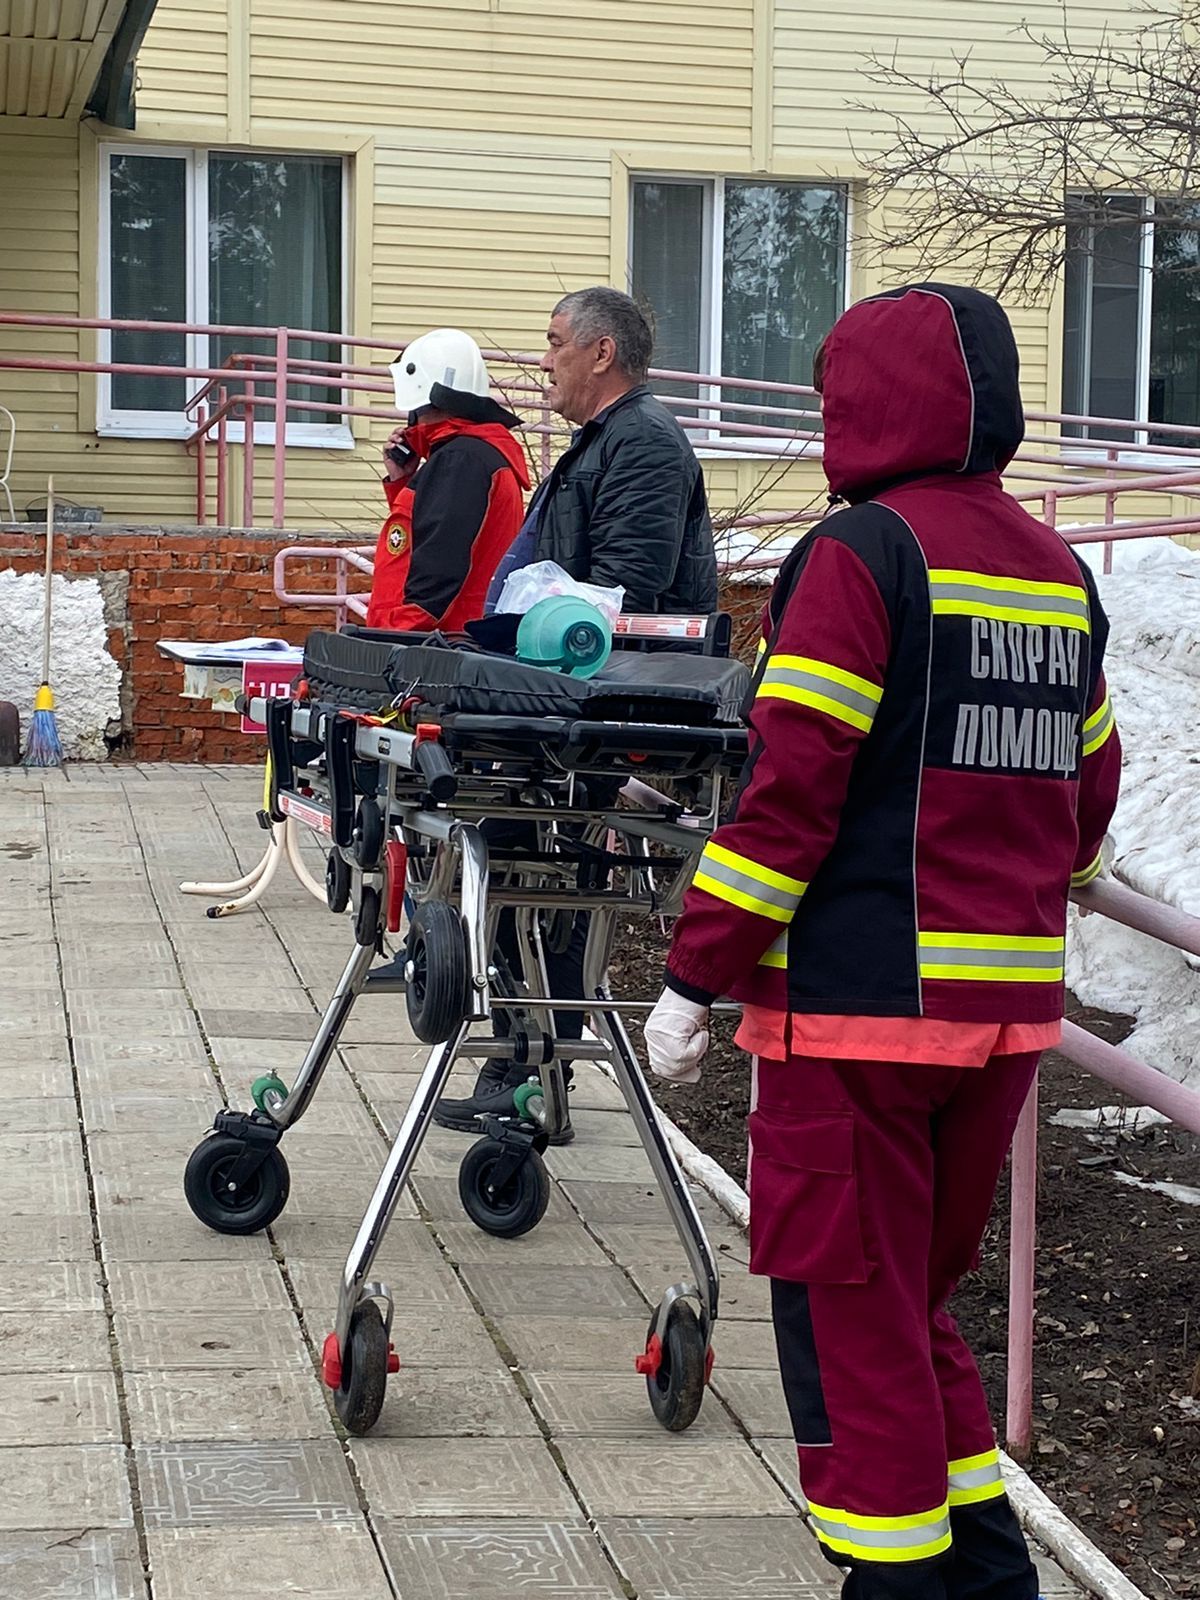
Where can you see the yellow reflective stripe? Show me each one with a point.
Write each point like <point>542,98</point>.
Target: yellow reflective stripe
<point>742,882</point>
<point>1098,727</point>
<point>957,593</point>
<point>974,1479</point>
<point>762,645</point>
<point>890,1539</point>
<point>1086,874</point>
<point>776,954</point>
<point>738,863</point>
<point>991,957</point>
<point>806,681</point>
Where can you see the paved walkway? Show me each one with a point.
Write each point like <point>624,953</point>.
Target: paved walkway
<point>162,1430</point>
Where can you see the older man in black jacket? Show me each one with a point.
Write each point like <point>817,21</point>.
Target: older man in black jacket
<point>625,503</point>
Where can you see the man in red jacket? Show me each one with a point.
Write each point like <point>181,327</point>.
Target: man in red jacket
<point>454,483</point>
<point>933,764</point>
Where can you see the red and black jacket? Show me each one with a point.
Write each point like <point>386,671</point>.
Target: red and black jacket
<point>933,754</point>
<point>449,526</point>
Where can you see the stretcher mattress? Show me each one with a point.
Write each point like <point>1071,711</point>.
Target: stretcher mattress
<point>441,680</point>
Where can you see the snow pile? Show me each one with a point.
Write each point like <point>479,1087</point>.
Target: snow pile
<point>85,678</point>
<point>1153,602</point>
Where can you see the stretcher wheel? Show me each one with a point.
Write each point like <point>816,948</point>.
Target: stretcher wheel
<point>511,1210</point>
<point>253,1205</point>
<point>337,882</point>
<point>270,1084</point>
<point>358,1398</point>
<point>370,833</point>
<point>366,924</point>
<point>436,989</point>
<point>676,1370</point>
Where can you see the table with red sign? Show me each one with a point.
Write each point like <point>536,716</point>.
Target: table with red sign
<point>223,674</point>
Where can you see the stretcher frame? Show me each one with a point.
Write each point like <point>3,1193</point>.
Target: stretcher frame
<point>402,811</point>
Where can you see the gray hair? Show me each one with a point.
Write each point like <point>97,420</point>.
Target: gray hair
<point>599,313</point>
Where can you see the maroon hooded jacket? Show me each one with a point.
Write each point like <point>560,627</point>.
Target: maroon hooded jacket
<point>933,754</point>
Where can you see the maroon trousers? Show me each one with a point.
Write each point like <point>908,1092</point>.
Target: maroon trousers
<point>870,1187</point>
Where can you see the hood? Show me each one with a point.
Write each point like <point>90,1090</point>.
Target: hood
<point>916,381</point>
<point>424,438</point>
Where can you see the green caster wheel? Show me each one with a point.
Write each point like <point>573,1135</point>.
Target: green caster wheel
<point>266,1089</point>
<point>522,1095</point>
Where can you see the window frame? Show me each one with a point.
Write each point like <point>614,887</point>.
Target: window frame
<point>1086,448</point>
<point>126,423</point>
<point>712,320</point>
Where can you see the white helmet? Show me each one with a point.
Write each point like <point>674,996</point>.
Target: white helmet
<point>447,360</point>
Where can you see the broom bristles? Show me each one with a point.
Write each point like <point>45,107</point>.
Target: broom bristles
<point>44,748</point>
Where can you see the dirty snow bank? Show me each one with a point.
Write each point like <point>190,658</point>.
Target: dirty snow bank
<point>1153,603</point>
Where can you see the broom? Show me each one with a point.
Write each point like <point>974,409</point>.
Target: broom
<point>45,747</point>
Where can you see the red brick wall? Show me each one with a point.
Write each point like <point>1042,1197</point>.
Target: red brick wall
<point>180,583</point>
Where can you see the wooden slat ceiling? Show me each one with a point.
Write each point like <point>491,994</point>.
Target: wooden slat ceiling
<point>51,52</point>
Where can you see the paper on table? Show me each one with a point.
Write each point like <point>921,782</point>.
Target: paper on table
<point>229,650</point>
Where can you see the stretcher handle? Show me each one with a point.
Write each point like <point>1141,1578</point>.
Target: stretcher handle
<point>434,765</point>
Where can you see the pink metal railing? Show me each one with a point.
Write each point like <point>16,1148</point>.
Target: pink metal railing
<point>1146,1085</point>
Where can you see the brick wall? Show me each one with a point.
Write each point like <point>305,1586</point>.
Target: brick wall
<point>179,583</point>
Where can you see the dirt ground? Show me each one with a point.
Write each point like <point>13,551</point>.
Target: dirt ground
<point>1117,1357</point>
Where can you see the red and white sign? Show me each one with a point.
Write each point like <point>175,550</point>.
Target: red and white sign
<point>266,678</point>
<point>660,627</point>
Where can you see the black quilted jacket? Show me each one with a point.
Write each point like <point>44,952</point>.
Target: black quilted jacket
<point>626,505</point>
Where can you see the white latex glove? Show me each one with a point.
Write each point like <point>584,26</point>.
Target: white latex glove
<point>676,1034</point>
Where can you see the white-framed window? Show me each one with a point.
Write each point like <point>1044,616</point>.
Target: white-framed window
<point>1131,322</point>
<point>232,237</point>
<point>745,277</point>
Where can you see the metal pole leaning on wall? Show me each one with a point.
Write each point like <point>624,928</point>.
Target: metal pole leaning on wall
<point>281,376</point>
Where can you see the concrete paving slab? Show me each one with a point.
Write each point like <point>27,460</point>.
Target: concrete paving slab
<point>180,1406</point>
<point>550,1291</point>
<point>29,1081</point>
<point>607,1406</point>
<point>57,1114</point>
<point>756,1399</point>
<point>230,1340</point>
<point>468,1478</point>
<point>58,1408</point>
<point>334,1562</point>
<point>422,1286</point>
<point>236,1286</point>
<point>683,1477</point>
<point>152,1233</point>
<point>575,1344</point>
<point>475,1560</point>
<point>51,1286</point>
<point>454,1402</point>
<point>707,1558</point>
<point>42,1174</point>
<point>549,1244</point>
<point>199,1485</point>
<point>71,1563</point>
<point>41,1239</point>
<point>64,1485</point>
<point>779,1456</point>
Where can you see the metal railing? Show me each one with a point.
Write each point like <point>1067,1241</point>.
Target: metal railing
<point>726,414</point>
<point>1146,1085</point>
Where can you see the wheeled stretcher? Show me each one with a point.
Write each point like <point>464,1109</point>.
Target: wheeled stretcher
<point>406,756</point>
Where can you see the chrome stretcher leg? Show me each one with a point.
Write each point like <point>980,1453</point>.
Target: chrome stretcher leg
<point>357,1355</point>
<point>237,1179</point>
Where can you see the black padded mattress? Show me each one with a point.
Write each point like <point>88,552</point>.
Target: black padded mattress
<point>666,688</point>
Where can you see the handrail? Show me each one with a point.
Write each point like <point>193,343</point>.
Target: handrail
<point>1145,1084</point>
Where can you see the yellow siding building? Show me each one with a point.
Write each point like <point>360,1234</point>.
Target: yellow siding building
<point>446,161</point>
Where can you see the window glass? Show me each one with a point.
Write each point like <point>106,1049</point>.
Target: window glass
<point>275,256</point>
<point>148,275</point>
<point>783,264</point>
<point>668,273</point>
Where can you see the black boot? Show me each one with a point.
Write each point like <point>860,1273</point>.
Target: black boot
<point>493,1095</point>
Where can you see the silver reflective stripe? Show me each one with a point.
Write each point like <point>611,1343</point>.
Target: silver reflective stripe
<point>827,688</point>
<point>1073,605</point>
<point>755,888</point>
<point>978,1478</point>
<point>1097,728</point>
<point>944,955</point>
<point>776,953</point>
<point>921,1534</point>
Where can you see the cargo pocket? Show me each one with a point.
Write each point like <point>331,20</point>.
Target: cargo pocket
<point>804,1215</point>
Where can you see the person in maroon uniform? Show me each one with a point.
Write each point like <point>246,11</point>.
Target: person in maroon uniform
<point>933,764</point>
<point>455,476</point>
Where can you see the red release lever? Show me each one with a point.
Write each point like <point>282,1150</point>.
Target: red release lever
<point>397,862</point>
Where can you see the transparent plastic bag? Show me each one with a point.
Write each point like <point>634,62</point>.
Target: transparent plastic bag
<point>543,580</point>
